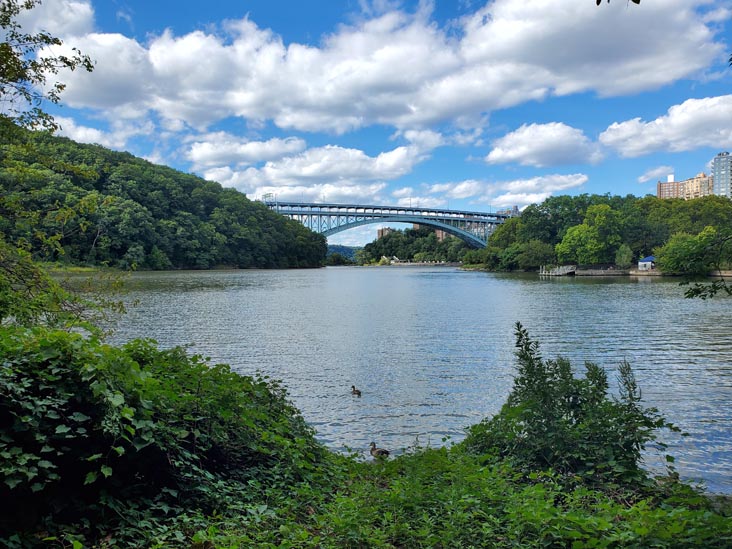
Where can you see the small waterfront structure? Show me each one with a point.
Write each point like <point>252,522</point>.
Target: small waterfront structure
<point>647,263</point>
<point>562,270</point>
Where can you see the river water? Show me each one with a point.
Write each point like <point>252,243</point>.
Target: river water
<point>432,348</point>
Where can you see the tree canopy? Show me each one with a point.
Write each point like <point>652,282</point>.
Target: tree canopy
<point>599,229</point>
<point>84,204</point>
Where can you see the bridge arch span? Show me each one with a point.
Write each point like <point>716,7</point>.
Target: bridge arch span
<point>465,236</point>
<point>327,219</point>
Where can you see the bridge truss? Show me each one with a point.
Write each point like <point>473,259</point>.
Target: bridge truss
<point>327,219</point>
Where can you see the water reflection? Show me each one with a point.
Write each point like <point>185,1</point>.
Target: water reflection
<point>432,348</point>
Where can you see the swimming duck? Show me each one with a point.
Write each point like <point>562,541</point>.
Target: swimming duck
<point>378,452</point>
<point>355,391</point>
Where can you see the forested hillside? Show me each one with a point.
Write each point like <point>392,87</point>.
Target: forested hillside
<point>106,207</point>
<point>603,229</point>
<point>414,245</point>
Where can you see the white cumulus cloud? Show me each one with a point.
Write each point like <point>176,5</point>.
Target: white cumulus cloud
<point>116,138</point>
<point>62,18</point>
<point>522,192</point>
<point>222,148</point>
<point>396,68</point>
<point>542,145</point>
<point>695,123</point>
<point>459,190</point>
<point>322,165</point>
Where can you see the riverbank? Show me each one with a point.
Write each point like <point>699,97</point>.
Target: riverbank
<point>573,270</point>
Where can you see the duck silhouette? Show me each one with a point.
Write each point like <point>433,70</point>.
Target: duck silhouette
<point>378,453</point>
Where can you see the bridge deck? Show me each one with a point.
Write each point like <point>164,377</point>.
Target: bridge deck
<point>328,219</point>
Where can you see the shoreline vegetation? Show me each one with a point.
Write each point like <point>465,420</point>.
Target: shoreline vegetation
<point>134,446</point>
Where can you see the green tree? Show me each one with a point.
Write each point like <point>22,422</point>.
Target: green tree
<point>506,233</point>
<point>579,245</point>
<point>24,71</point>
<point>336,259</point>
<point>700,255</point>
<point>595,240</point>
<point>534,254</point>
<point>553,420</point>
<point>687,254</point>
<point>624,256</point>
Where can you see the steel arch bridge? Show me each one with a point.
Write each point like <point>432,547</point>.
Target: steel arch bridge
<point>327,219</point>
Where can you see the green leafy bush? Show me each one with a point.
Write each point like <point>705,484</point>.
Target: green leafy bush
<point>553,420</point>
<point>447,497</point>
<point>115,439</point>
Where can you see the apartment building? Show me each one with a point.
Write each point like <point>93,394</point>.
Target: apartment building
<point>670,189</point>
<point>722,172</point>
<point>695,187</point>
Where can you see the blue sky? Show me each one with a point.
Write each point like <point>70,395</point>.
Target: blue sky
<point>460,103</point>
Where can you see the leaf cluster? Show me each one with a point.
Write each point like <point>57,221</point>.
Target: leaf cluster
<point>26,62</point>
<point>115,441</point>
<point>30,296</point>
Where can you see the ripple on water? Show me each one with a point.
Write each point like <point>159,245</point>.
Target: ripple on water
<point>432,349</point>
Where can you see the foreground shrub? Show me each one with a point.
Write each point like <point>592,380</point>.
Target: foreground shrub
<point>449,498</point>
<point>111,439</point>
<point>555,421</point>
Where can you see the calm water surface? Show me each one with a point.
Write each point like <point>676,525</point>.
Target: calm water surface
<point>432,348</point>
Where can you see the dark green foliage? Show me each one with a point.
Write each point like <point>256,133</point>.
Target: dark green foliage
<point>27,294</point>
<point>555,421</point>
<point>523,256</point>
<point>688,254</point>
<point>30,296</point>
<point>591,229</point>
<point>414,245</point>
<point>84,204</point>
<point>449,498</point>
<point>109,439</point>
<point>707,253</point>
<point>349,252</point>
<point>336,259</point>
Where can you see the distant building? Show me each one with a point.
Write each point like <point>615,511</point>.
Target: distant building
<point>670,189</point>
<point>441,235</point>
<point>696,187</point>
<point>722,173</point>
<point>382,232</point>
<point>647,263</point>
<point>513,212</point>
